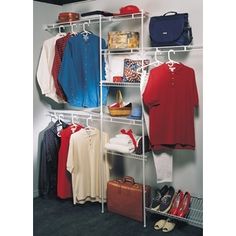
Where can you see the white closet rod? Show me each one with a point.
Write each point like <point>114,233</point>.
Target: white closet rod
<point>87,116</point>
<point>68,24</point>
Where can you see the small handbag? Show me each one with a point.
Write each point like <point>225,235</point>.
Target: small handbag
<point>170,30</point>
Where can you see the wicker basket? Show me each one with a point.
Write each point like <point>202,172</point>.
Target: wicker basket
<point>121,110</point>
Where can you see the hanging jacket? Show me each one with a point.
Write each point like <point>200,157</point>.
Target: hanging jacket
<point>79,75</point>
<point>48,161</point>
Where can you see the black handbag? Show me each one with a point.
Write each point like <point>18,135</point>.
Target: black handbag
<point>170,30</point>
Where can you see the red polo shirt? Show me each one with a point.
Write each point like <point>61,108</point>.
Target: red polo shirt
<point>170,98</point>
<point>64,187</point>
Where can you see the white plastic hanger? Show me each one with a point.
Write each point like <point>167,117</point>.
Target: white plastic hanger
<point>60,116</point>
<point>171,62</point>
<point>59,126</point>
<point>74,125</point>
<point>72,29</point>
<point>85,32</point>
<point>59,30</point>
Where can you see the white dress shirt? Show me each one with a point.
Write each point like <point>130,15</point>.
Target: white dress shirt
<point>44,72</point>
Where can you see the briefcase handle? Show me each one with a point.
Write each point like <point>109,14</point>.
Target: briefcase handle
<point>170,12</point>
<point>128,179</point>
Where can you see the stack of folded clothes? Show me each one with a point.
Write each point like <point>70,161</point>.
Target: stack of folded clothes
<point>127,142</point>
<point>120,143</point>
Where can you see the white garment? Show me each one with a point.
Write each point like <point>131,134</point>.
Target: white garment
<point>163,161</point>
<point>121,141</point>
<point>44,72</point>
<point>84,164</point>
<point>124,136</point>
<point>119,148</point>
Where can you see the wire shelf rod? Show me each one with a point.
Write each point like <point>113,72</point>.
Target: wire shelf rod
<point>128,155</point>
<point>94,20</point>
<point>151,50</point>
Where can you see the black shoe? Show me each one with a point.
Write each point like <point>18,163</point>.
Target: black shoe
<point>166,201</point>
<point>157,199</point>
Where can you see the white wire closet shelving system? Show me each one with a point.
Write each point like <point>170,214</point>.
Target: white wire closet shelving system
<point>196,212</point>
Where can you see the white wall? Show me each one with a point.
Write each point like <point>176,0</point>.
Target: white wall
<point>43,14</point>
<point>187,165</point>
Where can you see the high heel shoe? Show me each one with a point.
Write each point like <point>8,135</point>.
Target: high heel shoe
<point>176,203</point>
<point>183,209</point>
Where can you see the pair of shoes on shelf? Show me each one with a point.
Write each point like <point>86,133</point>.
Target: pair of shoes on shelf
<point>158,196</point>
<point>166,200</point>
<point>181,204</point>
<point>165,225</point>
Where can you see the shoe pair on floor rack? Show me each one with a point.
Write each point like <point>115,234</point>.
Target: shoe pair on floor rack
<point>167,201</point>
<point>181,204</point>
<point>164,225</point>
<point>163,199</point>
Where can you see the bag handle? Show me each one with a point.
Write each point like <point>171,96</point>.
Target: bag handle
<point>128,179</point>
<point>119,97</point>
<point>170,12</point>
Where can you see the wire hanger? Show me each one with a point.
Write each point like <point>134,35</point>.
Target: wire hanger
<point>171,62</point>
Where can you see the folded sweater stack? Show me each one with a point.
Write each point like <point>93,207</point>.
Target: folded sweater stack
<point>121,143</point>
<point>128,142</point>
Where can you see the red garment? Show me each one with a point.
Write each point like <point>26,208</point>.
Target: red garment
<point>59,50</point>
<point>131,135</point>
<point>170,98</point>
<point>64,187</point>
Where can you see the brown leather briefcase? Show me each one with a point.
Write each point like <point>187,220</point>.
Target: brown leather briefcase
<point>125,197</point>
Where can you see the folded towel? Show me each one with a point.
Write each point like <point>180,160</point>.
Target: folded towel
<point>119,148</point>
<point>125,136</point>
<point>121,141</point>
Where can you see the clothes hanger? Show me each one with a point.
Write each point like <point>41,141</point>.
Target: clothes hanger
<point>59,30</point>
<point>59,125</point>
<point>60,116</point>
<point>171,62</point>
<point>85,32</point>
<point>74,125</point>
<point>88,127</point>
<point>72,29</point>
<point>53,116</point>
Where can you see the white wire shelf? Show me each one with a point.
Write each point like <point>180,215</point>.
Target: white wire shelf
<point>120,84</point>
<point>194,217</point>
<point>121,120</point>
<point>89,114</point>
<point>128,155</point>
<point>95,20</point>
<point>147,50</point>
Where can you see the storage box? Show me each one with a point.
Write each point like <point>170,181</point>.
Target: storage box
<point>123,40</point>
<point>125,197</point>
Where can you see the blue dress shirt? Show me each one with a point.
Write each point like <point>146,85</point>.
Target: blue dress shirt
<point>79,75</point>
